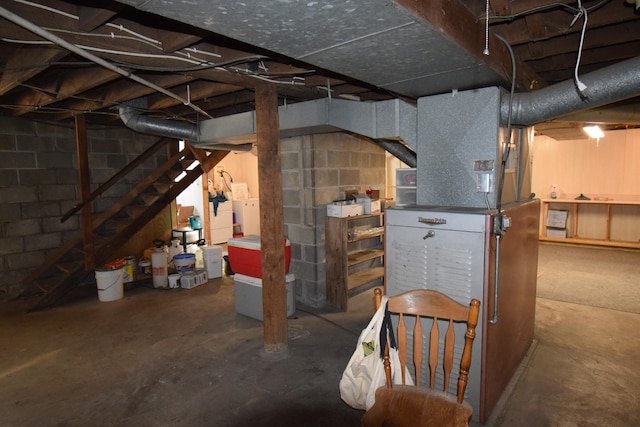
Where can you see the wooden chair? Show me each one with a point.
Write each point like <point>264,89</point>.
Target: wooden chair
<point>413,406</point>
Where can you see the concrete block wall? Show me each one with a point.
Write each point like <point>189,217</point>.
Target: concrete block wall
<point>316,170</point>
<point>39,184</point>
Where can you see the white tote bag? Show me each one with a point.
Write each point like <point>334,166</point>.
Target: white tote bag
<point>364,373</point>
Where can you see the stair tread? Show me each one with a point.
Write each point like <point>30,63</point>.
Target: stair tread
<point>61,272</point>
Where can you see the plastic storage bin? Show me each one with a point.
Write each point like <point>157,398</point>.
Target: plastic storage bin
<point>245,257</point>
<point>248,295</point>
<point>191,279</point>
<point>212,256</point>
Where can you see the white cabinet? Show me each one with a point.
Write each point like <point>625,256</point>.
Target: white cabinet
<point>220,222</point>
<point>453,250</point>
<point>248,215</point>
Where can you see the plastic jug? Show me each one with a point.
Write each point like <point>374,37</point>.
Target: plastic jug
<point>174,249</point>
<point>159,265</point>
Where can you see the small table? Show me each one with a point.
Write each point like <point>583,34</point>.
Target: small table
<point>182,233</point>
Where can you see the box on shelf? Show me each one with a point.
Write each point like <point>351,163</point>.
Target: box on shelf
<point>374,194</point>
<point>557,232</point>
<point>556,218</point>
<point>365,201</point>
<point>245,256</point>
<point>192,279</point>
<point>350,194</point>
<point>248,295</point>
<point>344,210</point>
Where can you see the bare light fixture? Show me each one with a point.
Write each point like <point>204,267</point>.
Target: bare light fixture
<point>593,131</point>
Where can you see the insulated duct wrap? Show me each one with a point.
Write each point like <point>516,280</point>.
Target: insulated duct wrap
<point>398,150</point>
<point>159,127</point>
<point>604,86</point>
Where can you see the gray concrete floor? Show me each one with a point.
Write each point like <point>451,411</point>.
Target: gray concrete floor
<point>186,358</point>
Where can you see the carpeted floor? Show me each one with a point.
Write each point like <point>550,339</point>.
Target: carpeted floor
<point>589,281</point>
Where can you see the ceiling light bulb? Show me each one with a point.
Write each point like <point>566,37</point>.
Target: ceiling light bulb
<point>593,131</point>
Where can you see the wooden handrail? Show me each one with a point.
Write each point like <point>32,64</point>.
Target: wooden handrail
<point>118,176</point>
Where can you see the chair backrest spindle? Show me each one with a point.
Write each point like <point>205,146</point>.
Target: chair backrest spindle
<point>423,303</point>
<point>410,406</point>
<point>417,349</point>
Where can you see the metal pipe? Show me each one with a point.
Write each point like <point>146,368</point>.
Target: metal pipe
<point>75,49</point>
<point>494,319</point>
<point>607,85</point>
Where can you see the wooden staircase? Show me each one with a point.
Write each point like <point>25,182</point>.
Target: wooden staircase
<point>72,263</point>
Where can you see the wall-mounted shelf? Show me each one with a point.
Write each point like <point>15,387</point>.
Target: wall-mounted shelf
<point>595,222</point>
<point>354,249</point>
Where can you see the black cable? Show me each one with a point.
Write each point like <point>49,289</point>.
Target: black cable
<point>507,143</point>
<point>224,181</point>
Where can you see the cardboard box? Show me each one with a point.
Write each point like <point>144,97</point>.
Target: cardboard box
<point>375,206</point>
<point>343,211</point>
<point>248,295</point>
<point>374,194</point>
<point>245,256</point>
<point>365,201</point>
<point>556,218</point>
<point>556,232</point>
<point>350,194</point>
<point>192,279</point>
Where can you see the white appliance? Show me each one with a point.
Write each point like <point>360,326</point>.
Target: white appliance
<point>453,250</point>
<point>469,175</point>
<point>248,215</point>
<point>220,222</point>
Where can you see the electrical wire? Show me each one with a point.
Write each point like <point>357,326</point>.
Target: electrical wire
<point>543,8</point>
<point>100,61</point>
<point>486,30</point>
<point>583,12</point>
<point>507,144</point>
<point>224,182</point>
<point>134,35</point>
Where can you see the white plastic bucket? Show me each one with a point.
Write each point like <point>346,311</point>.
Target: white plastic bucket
<point>184,262</point>
<point>110,286</point>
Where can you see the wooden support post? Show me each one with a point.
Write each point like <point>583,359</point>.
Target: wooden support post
<point>82,150</point>
<point>274,290</point>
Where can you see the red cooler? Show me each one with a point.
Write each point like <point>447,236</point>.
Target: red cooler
<point>245,257</point>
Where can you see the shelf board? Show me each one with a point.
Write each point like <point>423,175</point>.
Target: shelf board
<point>360,278</point>
<point>364,255</point>
<point>597,242</point>
<point>366,236</point>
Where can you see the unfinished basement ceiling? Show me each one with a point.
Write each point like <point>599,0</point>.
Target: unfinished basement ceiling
<point>375,41</point>
<point>204,57</point>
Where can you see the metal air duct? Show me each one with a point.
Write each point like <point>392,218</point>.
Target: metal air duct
<point>385,122</point>
<point>605,86</point>
<point>172,129</point>
<point>160,127</point>
<point>400,151</point>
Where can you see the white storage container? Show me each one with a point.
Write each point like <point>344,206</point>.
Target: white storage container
<point>344,210</point>
<point>192,279</point>
<point>248,295</point>
<point>212,256</point>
